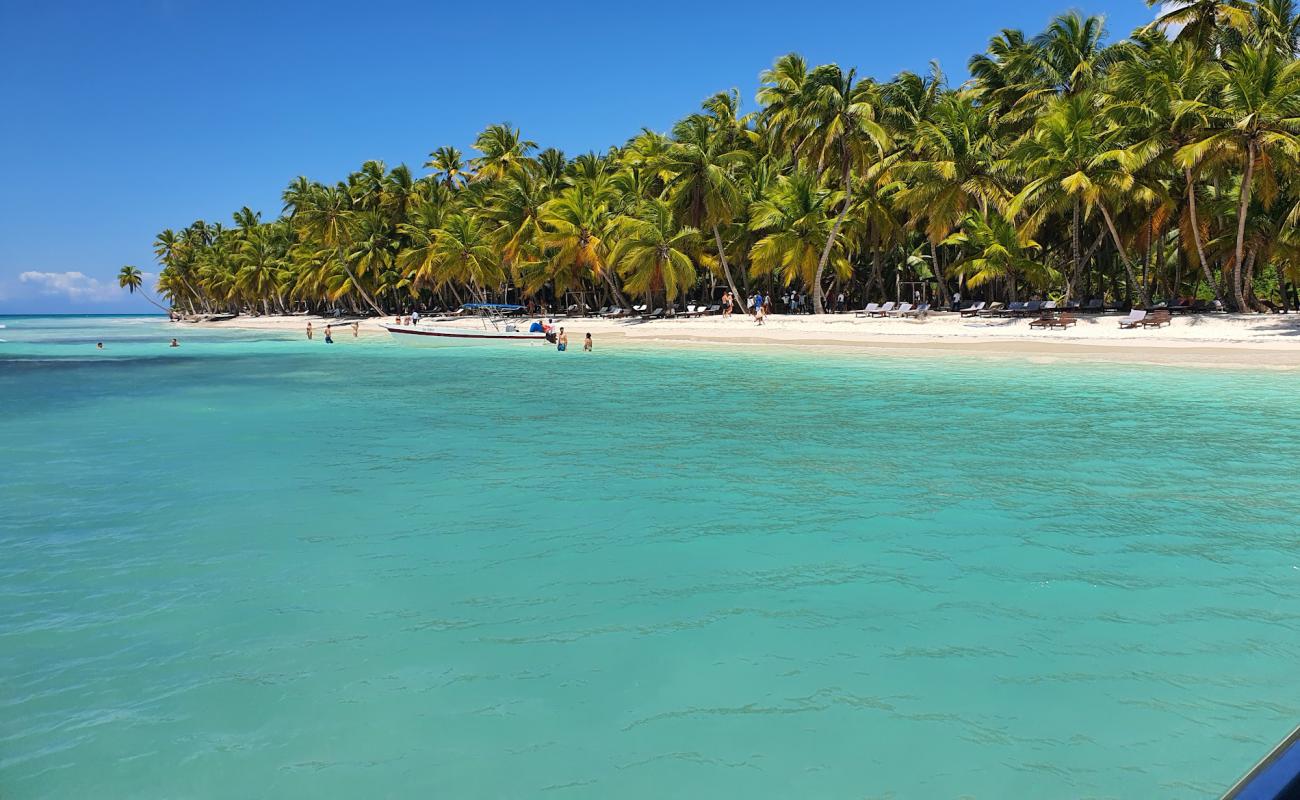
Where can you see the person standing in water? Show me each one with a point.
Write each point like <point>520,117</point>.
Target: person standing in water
<point>562,341</point>
<point>328,338</point>
<point>175,343</point>
<point>586,344</point>
<point>310,333</point>
<point>356,329</point>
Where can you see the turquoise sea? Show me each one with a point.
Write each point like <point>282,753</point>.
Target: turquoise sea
<point>257,566</point>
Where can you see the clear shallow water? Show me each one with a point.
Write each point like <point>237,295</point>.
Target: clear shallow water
<point>260,567</point>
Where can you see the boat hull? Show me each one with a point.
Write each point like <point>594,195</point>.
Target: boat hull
<point>435,336</point>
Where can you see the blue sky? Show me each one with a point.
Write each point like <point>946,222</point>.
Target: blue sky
<point>126,118</point>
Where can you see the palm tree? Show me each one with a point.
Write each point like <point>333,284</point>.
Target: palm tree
<point>702,190</point>
<point>1275,24</point>
<point>952,170</point>
<point>464,254</point>
<point>1072,56</point>
<point>173,251</point>
<point>795,221</point>
<point>653,253</point>
<point>448,164</point>
<point>846,132</point>
<point>576,228</point>
<point>132,279</point>
<point>514,209</point>
<point>995,249</point>
<point>503,149</point>
<point>1256,119</point>
<point>1156,94</point>
<point>1007,75</point>
<point>1073,161</point>
<point>259,271</point>
<point>328,217</point>
<point>1202,22</point>
<point>784,95</point>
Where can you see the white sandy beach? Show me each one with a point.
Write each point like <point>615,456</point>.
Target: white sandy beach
<point>1202,340</point>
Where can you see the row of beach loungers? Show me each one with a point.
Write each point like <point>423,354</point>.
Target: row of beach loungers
<point>894,310</point>
<point>614,312</point>
<point>1033,307</point>
<point>1047,313</point>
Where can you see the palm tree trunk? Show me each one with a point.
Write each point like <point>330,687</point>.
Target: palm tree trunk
<point>370,301</point>
<point>1196,235</point>
<point>1074,253</point>
<point>818,308</point>
<point>726,268</point>
<point>613,287</point>
<point>1242,207</point>
<point>193,294</point>
<point>944,298</point>
<point>1123,255</point>
<point>1248,283</point>
<point>157,305</point>
<point>877,273</point>
<point>1096,245</point>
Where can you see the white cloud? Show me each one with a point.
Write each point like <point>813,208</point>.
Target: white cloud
<point>77,287</point>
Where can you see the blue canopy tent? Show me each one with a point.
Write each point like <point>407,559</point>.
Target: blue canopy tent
<point>496,308</point>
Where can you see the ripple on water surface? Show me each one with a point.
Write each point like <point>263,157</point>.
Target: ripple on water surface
<point>259,566</point>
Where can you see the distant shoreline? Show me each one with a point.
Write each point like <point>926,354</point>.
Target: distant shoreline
<point>1240,341</point>
<point>155,315</point>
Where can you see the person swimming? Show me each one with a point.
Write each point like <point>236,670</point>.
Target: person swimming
<point>99,345</point>
<point>175,343</point>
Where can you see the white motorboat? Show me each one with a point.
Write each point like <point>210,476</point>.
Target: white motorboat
<point>496,329</point>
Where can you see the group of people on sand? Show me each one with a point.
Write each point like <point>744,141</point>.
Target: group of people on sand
<point>757,306</point>
<point>329,331</point>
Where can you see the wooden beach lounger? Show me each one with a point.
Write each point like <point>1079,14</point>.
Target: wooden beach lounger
<point>971,311</point>
<point>1157,318</point>
<point>918,312</point>
<point>991,310</point>
<point>1063,321</point>
<point>870,310</point>
<point>902,309</point>
<point>1134,319</point>
<point>883,310</point>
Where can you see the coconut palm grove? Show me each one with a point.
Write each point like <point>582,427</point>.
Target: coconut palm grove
<point>1072,164</point>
